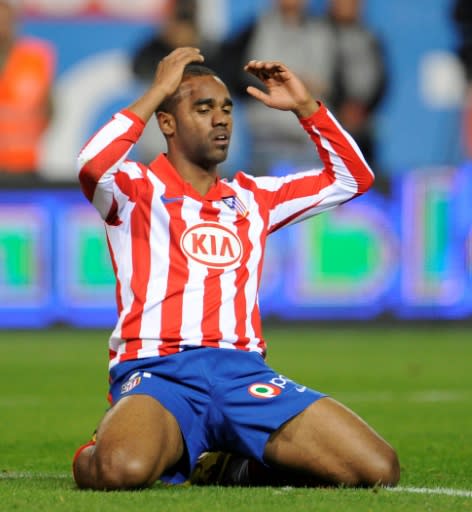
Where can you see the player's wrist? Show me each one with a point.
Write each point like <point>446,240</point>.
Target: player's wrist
<point>306,109</point>
<point>157,93</point>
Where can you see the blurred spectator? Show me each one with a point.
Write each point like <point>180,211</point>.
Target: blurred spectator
<point>359,78</point>
<point>179,28</point>
<point>287,33</point>
<point>338,59</point>
<point>462,16</point>
<point>27,68</point>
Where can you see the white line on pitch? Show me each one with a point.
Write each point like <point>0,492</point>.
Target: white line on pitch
<point>433,490</point>
<point>462,493</point>
<point>29,475</point>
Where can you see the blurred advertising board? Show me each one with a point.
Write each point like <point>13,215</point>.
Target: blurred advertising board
<point>408,256</point>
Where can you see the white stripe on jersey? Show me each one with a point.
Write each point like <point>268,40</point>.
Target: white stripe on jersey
<point>192,298</point>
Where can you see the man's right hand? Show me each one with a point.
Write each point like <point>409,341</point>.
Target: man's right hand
<point>166,81</point>
<point>170,69</point>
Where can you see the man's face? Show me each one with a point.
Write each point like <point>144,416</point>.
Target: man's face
<point>346,11</point>
<point>204,122</point>
<point>292,7</point>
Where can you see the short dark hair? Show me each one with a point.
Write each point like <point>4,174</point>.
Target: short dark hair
<point>192,69</point>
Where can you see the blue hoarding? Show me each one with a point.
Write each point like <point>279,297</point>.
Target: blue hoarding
<point>408,256</point>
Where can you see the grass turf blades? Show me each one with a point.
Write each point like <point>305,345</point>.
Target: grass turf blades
<point>412,384</point>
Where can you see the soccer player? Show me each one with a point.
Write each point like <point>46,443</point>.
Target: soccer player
<point>187,370</point>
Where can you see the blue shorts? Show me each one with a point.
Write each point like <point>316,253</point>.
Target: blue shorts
<point>222,399</point>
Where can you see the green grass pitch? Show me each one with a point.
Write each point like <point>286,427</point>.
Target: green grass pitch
<point>412,384</point>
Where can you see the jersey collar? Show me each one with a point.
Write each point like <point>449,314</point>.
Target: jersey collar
<point>176,186</point>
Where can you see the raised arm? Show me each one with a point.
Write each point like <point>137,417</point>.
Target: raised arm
<point>101,162</point>
<point>345,173</point>
<point>166,81</point>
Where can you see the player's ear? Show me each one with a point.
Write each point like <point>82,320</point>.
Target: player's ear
<point>166,122</point>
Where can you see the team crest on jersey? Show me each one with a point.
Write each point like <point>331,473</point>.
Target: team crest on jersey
<point>212,244</point>
<point>259,390</point>
<point>131,383</point>
<point>235,203</point>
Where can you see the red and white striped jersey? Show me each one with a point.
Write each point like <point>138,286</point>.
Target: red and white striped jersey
<point>188,267</point>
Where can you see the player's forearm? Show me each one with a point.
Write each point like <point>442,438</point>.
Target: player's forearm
<point>147,104</point>
<point>340,154</point>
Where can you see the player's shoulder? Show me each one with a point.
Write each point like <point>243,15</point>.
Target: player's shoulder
<point>244,180</point>
<point>262,183</point>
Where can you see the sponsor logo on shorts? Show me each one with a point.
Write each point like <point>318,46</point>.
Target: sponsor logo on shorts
<point>131,383</point>
<point>260,390</point>
<point>281,381</point>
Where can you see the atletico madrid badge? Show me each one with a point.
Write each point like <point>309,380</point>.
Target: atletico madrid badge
<point>235,203</point>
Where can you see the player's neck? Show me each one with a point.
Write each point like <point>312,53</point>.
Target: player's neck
<point>200,178</point>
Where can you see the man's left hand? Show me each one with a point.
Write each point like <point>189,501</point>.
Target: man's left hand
<point>285,91</point>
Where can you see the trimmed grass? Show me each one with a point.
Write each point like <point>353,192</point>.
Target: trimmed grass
<point>412,384</point>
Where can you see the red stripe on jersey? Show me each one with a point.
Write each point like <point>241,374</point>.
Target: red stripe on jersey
<point>132,348</point>
<point>210,325</point>
<point>112,217</point>
<point>141,264</point>
<point>126,184</point>
<point>172,305</point>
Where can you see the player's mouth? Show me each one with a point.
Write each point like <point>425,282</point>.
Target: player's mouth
<point>221,139</point>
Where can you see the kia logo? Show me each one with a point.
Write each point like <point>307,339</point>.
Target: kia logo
<point>212,245</point>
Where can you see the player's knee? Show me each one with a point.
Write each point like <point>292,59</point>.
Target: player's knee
<point>120,470</point>
<point>384,469</point>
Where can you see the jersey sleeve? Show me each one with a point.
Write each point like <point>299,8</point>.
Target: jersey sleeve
<point>106,177</point>
<point>345,174</point>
